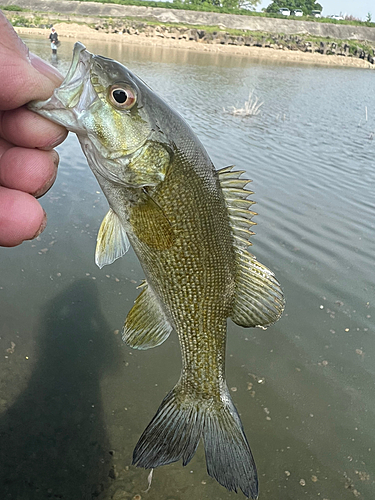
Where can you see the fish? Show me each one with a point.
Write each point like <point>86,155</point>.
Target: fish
<point>190,226</point>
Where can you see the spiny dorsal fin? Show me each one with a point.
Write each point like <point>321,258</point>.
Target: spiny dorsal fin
<point>259,299</point>
<point>112,241</point>
<point>235,193</point>
<point>146,325</point>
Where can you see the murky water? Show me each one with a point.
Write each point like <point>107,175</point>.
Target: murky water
<point>74,400</point>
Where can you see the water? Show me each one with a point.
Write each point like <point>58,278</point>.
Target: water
<point>74,400</point>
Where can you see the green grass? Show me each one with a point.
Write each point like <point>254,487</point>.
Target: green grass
<point>14,8</point>
<point>353,44</point>
<point>206,7</point>
<point>140,24</point>
<point>36,21</point>
<point>114,22</point>
<point>257,35</point>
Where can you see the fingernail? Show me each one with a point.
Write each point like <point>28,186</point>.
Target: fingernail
<point>55,157</point>
<point>42,226</point>
<point>49,183</point>
<point>46,69</point>
<point>58,141</point>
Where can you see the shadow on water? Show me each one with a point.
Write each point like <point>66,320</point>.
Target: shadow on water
<point>53,439</point>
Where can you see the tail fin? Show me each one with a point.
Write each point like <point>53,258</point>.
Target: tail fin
<point>228,455</point>
<point>176,429</point>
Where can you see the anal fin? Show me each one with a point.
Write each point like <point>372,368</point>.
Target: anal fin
<point>146,325</point>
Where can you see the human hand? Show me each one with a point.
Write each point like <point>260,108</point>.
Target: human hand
<point>28,163</point>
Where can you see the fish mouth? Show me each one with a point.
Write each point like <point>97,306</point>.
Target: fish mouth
<point>74,96</point>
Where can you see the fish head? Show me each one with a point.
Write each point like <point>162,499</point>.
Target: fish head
<point>103,103</point>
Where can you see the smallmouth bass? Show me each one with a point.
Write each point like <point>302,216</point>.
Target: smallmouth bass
<point>190,227</point>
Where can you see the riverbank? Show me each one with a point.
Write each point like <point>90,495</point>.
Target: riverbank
<point>288,26</point>
<point>85,33</point>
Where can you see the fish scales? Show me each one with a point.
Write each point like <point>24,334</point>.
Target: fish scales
<point>198,292</point>
<point>189,226</point>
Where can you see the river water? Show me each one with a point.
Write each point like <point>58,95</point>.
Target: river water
<point>74,400</point>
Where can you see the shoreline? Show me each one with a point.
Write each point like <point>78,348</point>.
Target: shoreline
<point>81,32</point>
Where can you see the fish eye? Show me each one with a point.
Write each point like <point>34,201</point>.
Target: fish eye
<point>122,97</point>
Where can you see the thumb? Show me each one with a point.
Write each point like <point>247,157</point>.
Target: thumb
<point>23,76</point>
<point>45,69</point>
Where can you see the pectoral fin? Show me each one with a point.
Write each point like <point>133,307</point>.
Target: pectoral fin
<point>146,325</point>
<point>151,226</point>
<point>259,299</point>
<point>112,241</point>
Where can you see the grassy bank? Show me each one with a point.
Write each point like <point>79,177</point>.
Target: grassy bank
<point>207,34</point>
<point>206,7</point>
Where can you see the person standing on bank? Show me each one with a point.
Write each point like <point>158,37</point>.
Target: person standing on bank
<point>53,36</point>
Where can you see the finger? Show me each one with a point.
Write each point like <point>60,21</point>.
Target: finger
<point>25,128</point>
<point>26,75</point>
<point>10,39</point>
<point>28,170</point>
<point>4,146</point>
<point>45,69</point>
<point>24,82</point>
<point>21,217</point>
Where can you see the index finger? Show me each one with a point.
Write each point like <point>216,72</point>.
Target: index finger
<point>25,128</point>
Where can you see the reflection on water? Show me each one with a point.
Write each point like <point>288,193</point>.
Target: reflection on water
<point>304,387</point>
<point>55,60</point>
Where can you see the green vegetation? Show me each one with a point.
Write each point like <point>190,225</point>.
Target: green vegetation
<point>354,45</point>
<point>23,21</point>
<point>31,21</point>
<point>222,4</point>
<point>13,8</point>
<point>240,7</point>
<point>263,38</point>
<point>142,24</point>
<point>307,6</point>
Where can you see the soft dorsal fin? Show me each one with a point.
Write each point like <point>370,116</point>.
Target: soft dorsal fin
<point>146,325</point>
<point>112,241</point>
<point>259,299</point>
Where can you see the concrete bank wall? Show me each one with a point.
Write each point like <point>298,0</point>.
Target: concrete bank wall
<point>252,23</point>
